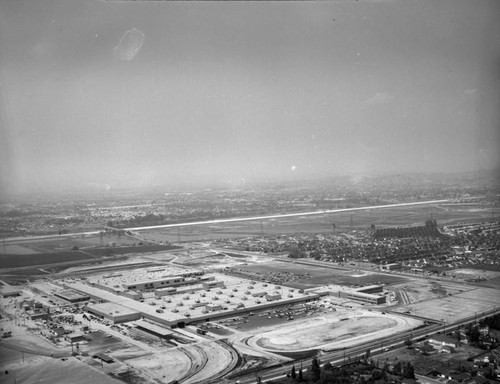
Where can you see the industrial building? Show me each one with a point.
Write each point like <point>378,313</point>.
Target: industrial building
<point>153,329</point>
<point>371,294</point>
<point>9,291</point>
<point>390,267</point>
<point>114,312</point>
<point>371,289</point>
<point>222,296</point>
<point>72,296</point>
<point>147,279</point>
<point>367,298</point>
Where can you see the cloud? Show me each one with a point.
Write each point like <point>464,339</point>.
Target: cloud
<point>379,98</point>
<point>129,45</point>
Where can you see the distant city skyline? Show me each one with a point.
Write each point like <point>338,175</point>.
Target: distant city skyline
<point>146,93</point>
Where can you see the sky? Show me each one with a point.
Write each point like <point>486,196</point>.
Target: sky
<point>131,94</point>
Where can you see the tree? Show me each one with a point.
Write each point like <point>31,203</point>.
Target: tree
<point>293,373</point>
<point>408,342</point>
<point>377,374</point>
<point>301,375</point>
<point>315,368</point>
<point>473,334</point>
<point>398,368</point>
<point>408,371</point>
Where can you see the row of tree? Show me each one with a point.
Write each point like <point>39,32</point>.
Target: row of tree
<point>356,373</point>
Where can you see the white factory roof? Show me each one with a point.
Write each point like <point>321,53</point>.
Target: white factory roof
<point>142,275</point>
<point>113,309</point>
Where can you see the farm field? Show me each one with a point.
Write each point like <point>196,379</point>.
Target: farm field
<point>52,251</point>
<point>26,260</point>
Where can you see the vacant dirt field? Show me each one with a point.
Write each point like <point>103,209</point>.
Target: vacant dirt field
<point>37,369</point>
<point>456,306</point>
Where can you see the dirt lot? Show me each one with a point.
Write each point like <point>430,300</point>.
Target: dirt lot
<point>415,290</point>
<point>36,369</point>
<point>456,306</point>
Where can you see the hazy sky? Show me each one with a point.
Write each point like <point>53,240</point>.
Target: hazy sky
<point>140,93</point>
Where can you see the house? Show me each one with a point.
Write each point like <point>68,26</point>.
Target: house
<point>485,358</point>
<point>459,377</point>
<point>478,380</point>
<point>443,340</point>
<point>103,357</point>
<point>446,349</point>
<point>425,349</point>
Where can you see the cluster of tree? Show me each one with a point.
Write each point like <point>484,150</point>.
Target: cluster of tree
<point>492,321</point>
<point>296,253</point>
<point>482,340</point>
<point>472,333</point>
<point>356,373</point>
